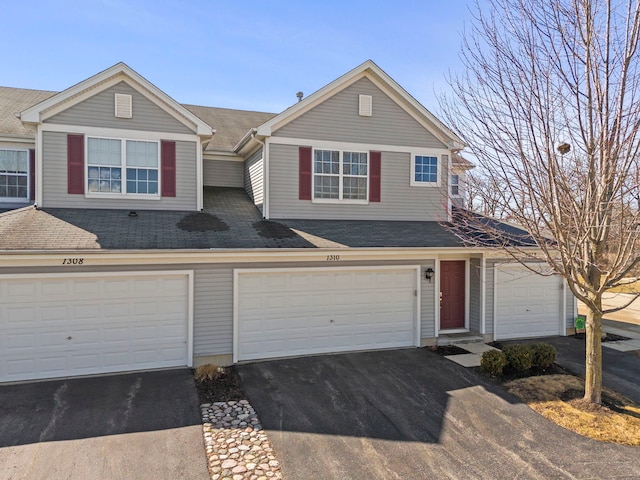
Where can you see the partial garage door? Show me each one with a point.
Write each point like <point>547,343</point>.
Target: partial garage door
<point>287,313</point>
<point>527,304</point>
<point>79,325</point>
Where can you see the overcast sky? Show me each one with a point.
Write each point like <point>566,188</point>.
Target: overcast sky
<point>246,54</point>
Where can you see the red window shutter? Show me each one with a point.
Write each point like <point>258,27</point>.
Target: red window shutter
<point>32,174</point>
<point>75,164</point>
<point>168,166</point>
<point>305,173</point>
<point>375,169</point>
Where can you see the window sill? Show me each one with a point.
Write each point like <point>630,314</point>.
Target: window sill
<point>16,200</point>
<point>121,196</point>
<point>424,184</point>
<point>335,200</point>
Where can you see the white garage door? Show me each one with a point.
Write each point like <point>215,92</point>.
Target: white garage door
<point>527,304</point>
<point>79,325</point>
<point>301,312</point>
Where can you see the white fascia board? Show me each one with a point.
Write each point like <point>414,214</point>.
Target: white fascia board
<point>17,138</point>
<point>12,258</point>
<point>118,72</point>
<point>222,156</point>
<point>370,70</point>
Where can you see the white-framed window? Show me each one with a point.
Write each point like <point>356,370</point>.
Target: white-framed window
<point>455,185</point>
<point>425,170</point>
<point>340,176</point>
<point>14,175</point>
<point>122,167</point>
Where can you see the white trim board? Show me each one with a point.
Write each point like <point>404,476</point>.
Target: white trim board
<point>352,146</point>
<point>117,132</point>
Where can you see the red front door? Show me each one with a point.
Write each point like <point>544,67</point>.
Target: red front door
<point>452,297</point>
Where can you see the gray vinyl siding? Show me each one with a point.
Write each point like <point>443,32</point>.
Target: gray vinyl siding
<point>99,111</point>
<point>213,312</point>
<point>254,178</point>
<point>55,181</point>
<point>337,119</point>
<point>219,173</point>
<point>399,201</point>
<point>490,292</point>
<point>475,295</point>
<point>213,296</point>
<point>427,303</point>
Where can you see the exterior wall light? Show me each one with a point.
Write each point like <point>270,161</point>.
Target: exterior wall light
<point>428,274</point>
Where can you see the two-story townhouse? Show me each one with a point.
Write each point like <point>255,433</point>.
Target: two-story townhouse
<point>141,233</point>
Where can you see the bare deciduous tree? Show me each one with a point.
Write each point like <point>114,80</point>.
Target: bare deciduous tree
<point>550,107</point>
<point>485,194</point>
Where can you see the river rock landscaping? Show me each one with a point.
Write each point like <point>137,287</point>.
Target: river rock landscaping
<point>237,446</point>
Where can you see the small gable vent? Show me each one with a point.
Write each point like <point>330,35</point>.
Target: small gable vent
<point>124,105</point>
<point>365,105</point>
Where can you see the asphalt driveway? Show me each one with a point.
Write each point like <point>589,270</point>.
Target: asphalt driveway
<point>412,414</point>
<point>141,425</point>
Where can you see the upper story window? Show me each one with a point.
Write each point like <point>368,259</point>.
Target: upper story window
<point>340,175</point>
<point>425,170</point>
<point>14,174</point>
<point>125,167</point>
<point>455,185</point>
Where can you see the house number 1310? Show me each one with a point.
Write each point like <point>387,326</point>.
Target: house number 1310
<point>333,258</point>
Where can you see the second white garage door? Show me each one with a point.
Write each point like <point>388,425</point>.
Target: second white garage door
<point>54,326</point>
<point>289,313</point>
<point>527,304</point>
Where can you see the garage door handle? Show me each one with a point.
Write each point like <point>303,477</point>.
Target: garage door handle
<point>68,338</point>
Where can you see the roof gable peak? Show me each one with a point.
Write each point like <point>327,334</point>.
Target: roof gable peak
<point>102,80</point>
<point>368,69</point>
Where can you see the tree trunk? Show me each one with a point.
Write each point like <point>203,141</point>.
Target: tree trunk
<point>593,361</point>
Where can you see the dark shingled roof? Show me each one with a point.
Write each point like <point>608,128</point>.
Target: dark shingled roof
<point>230,221</point>
<point>477,230</point>
<point>230,125</point>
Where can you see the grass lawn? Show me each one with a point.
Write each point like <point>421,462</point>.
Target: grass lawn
<point>559,398</point>
<point>633,287</point>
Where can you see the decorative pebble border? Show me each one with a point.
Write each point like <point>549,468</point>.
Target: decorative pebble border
<point>237,446</point>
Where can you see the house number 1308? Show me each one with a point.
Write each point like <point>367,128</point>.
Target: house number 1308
<point>333,258</point>
<point>72,261</point>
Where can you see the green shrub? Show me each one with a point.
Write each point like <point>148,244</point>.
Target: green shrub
<point>543,355</point>
<point>493,362</point>
<point>519,356</point>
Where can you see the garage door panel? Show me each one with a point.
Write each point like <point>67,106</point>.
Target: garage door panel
<point>20,315</point>
<point>52,313</point>
<point>527,304</point>
<point>112,327</point>
<point>324,311</point>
